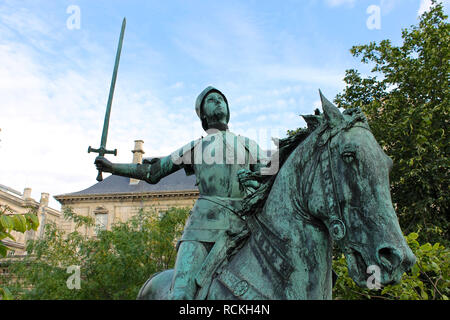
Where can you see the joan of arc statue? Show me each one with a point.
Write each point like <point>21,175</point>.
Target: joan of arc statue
<point>217,160</point>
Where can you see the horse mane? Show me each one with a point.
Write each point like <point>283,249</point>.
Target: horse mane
<point>254,202</point>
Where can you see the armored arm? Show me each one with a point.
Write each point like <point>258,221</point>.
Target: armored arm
<point>151,171</point>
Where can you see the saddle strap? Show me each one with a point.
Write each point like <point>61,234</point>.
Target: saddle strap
<point>238,287</point>
<point>271,247</point>
<point>232,204</point>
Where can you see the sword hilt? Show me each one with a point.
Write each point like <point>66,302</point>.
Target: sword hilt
<point>101,152</point>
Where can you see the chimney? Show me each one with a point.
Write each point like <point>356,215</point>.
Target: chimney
<point>138,151</point>
<point>27,196</point>
<point>26,193</point>
<point>44,199</point>
<point>138,154</point>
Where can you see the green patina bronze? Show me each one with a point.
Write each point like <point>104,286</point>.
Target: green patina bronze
<point>102,150</point>
<point>254,235</point>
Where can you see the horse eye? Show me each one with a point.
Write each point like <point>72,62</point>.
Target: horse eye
<point>348,156</point>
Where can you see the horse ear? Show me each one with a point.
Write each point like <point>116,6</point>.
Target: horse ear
<point>332,114</point>
<point>312,121</point>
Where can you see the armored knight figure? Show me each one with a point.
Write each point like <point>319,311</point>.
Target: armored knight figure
<point>217,160</point>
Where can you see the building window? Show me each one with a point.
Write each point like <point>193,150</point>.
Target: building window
<point>101,219</point>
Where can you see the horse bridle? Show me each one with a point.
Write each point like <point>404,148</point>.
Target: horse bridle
<point>335,224</point>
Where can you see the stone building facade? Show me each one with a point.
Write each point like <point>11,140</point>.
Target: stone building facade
<point>118,198</point>
<point>21,203</point>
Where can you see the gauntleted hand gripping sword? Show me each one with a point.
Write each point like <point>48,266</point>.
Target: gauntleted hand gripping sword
<point>102,150</point>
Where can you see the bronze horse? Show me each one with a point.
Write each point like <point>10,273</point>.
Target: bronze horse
<point>332,187</point>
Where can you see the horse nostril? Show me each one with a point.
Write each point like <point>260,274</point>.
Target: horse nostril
<point>389,257</point>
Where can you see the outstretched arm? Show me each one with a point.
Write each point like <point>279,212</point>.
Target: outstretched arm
<point>150,171</point>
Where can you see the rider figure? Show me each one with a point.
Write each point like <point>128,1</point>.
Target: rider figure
<point>217,160</point>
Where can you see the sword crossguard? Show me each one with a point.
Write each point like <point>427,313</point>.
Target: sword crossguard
<point>101,151</point>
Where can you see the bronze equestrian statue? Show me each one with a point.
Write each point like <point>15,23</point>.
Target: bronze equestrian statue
<point>257,233</point>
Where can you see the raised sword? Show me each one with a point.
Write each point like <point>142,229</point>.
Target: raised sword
<point>102,150</point>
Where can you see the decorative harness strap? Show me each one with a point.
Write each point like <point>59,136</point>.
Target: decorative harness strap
<point>336,225</point>
<point>322,160</point>
<point>266,245</point>
<point>271,247</point>
<point>240,288</point>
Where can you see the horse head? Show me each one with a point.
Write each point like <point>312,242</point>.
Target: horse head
<point>348,191</point>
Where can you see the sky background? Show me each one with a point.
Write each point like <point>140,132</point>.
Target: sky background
<point>268,57</point>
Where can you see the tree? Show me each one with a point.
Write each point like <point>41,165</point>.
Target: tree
<point>406,101</point>
<point>11,221</point>
<point>112,265</point>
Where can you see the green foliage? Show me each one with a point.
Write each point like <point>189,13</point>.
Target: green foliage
<point>113,265</point>
<point>406,101</point>
<point>5,294</point>
<point>10,221</point>
<point>429,279</point>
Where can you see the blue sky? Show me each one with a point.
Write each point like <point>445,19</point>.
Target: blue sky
<point>268,57</point>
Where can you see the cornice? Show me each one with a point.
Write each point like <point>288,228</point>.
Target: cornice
<point>63,199</point>
<point>18,201</point>
<point>13,244</point>
<point>24,203</point>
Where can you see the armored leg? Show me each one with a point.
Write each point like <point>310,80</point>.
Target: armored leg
<point>190,257</point>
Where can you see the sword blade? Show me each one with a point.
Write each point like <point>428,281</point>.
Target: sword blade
<point>111,89</point>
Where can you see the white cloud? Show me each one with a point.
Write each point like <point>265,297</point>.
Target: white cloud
<point>51,112</point>
<point>177,85</point>
<point>337,3</point>
<point>425,5</point>
<point>387,6</point>
<point>240,47</point>
<point>303,74</point>
<point>43,123</point>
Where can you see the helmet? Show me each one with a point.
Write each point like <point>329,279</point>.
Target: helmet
<point>200,101</point>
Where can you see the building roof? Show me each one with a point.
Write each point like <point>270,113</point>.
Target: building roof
<point>177,181</point>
